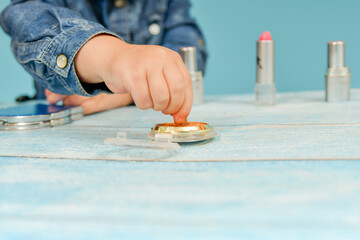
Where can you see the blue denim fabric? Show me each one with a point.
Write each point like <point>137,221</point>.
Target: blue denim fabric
<point>41,30</point>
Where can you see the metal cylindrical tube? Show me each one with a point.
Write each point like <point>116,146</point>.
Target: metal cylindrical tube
<point>265,90</point>
<point>338,77</point>
<point>265,62</point>
<point>188,54</point>
<point>336,51</point>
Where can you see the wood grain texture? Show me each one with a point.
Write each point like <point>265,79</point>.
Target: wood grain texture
<point>197,192</point>
<point>67,199</point>
<point>300,127</point>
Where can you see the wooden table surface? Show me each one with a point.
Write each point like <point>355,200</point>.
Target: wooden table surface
<point>65,183</point>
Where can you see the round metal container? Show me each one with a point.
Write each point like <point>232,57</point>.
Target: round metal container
<point>37,115</point>
<point>189,132</point>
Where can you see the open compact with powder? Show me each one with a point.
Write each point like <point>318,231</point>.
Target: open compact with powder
<point>167,136</point>
<point>189,132</point>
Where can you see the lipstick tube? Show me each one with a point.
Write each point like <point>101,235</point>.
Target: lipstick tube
<point>338,77</point>
<point>188,54</point>
<point>265,90</point>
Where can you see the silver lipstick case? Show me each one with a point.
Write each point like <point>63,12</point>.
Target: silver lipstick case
<point>265,90</point>
<point>338,77</point>
<point>188,54</point>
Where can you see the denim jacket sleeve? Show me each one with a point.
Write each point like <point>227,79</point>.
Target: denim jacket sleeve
<point>41,32</point>
<point>181,30</point>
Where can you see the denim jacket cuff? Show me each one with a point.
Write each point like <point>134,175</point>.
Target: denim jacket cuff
<point>69,43</point>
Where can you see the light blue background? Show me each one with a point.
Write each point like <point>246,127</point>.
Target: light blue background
<point>301,30</point>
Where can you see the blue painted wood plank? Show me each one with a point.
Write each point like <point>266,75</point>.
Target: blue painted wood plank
<point>301,126</point>
<point>249,142</point>
<point>65,199</point>
<point>46,194</point>
<point>234,110</point>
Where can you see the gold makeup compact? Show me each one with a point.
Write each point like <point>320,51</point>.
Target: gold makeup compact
<point>167,136</point>
<point>188,132</point>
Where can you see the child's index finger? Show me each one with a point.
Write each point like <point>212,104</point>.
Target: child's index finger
<point>179,119</point>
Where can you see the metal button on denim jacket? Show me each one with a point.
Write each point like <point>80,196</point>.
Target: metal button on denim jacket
<point>46,34</point>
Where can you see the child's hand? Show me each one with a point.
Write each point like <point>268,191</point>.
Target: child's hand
<point>154,76</point>
<point>91,105</point>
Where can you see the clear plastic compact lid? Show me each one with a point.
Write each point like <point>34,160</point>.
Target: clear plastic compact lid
<point>160,142</point>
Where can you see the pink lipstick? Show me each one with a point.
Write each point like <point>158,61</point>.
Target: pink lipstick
<point>265,90</point>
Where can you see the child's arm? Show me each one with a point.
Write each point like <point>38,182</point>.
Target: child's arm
<point>41,33</point>
<point>154,76</point>
<point>99,103</point>
<point>180,30</point>
<point>46,39</point>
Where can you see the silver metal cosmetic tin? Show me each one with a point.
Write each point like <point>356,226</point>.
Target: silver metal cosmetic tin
<point>56,117</point>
